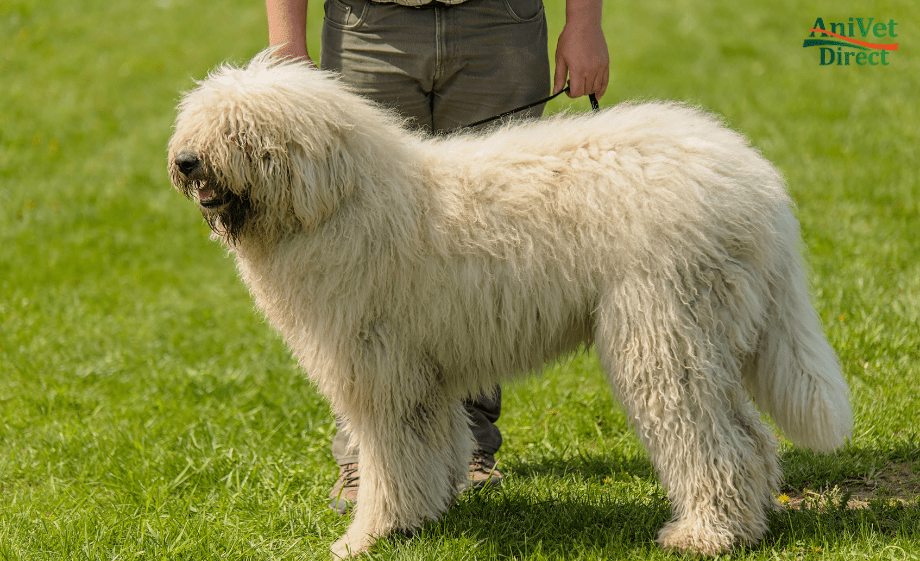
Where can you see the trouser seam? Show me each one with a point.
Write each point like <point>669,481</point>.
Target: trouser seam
<point>439,46</point>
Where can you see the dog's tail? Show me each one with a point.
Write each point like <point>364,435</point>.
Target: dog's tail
<point>795,376</point>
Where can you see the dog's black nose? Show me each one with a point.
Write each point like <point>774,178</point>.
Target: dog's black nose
<point>187,162</point>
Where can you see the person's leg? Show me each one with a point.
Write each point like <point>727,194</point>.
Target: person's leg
<point>386,52</point>
<point>441,66</point>
<point>484,412</point>
<point>341,449</point>
<point>493,59</point>
<point>344,491</point>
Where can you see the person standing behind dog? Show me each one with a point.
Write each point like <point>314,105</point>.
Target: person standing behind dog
<point>444,64</point>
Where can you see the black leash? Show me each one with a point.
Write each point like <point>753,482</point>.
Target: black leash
<point>595,106</point>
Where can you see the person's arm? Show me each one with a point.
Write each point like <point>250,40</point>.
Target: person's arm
<point>581,53</point>
<point>287,27</point>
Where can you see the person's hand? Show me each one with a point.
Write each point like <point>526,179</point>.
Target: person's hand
<point>581,54</point>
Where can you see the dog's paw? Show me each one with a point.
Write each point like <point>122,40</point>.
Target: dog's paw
<point>687,536</point>
<point>342,550</point>
<point>349,548</point>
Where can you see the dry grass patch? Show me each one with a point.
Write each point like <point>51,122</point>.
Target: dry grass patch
<point>895,482</point>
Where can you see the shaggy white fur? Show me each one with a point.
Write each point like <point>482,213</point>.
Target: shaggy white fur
<point>408,273</point>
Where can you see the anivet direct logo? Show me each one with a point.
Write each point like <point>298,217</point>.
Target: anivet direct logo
<point>840,46</point>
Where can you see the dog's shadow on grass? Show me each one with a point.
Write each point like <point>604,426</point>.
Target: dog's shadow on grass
<point>572,507</point>
<point>550,507</point>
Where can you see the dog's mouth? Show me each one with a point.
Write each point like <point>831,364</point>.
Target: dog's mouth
<point>208,198</point>
<point>209,194</point>
<point>225,211</point>
<point>197,181</point>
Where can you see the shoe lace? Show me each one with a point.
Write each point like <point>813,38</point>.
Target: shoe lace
<point>349,475</point>
<point>479,463</point>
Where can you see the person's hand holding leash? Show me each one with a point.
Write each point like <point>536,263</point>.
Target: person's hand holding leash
<point>581,53</point>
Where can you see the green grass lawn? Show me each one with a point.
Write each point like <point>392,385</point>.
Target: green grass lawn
<point>147,412</point>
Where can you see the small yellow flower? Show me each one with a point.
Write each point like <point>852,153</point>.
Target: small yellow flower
<point>783,499</point>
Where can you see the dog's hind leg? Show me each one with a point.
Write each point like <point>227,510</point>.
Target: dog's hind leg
<point>415,444</point>
<point>713,454</point>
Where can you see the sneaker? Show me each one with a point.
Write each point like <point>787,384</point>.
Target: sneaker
<point>344,492</point>
<point>483,473</point>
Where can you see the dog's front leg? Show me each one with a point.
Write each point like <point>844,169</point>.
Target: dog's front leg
<point>415,445</point>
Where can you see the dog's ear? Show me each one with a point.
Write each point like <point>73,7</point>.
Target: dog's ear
<point>269,174</point>
<point>321,178</point>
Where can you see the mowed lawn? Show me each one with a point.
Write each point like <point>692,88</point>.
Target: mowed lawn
<point>148,412</point>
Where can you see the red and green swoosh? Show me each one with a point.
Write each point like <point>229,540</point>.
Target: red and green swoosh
<point>846,42</point>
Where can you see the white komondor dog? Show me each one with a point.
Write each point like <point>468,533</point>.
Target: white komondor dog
<point>408,273</point>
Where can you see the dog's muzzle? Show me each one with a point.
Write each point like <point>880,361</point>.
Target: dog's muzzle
<point>188,163</point>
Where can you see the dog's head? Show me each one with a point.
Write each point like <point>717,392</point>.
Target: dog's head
<point>264,149</point>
